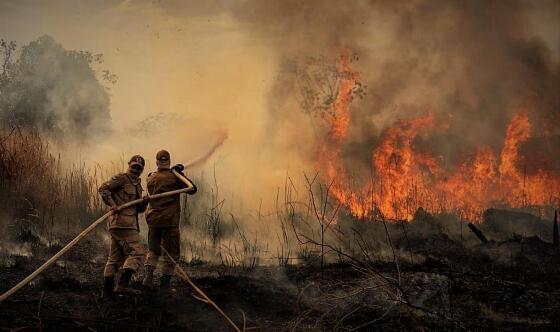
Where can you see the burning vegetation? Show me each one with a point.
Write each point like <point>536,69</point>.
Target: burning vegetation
<point>426,197</point>
<point>404,179</point>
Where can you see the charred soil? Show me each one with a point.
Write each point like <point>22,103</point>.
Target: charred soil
<point>435,282</point>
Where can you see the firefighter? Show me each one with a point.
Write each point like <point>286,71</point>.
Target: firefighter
<point>162,216</point>
<point>126,249</point>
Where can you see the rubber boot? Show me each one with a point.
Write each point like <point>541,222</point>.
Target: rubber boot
<point>165,284</point>
<point>123,284</point>
<point>148,282</point>
<point>108,286</point>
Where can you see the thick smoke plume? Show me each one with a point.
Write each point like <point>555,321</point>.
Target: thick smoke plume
<point>472,64</point>
<point>54,90</point>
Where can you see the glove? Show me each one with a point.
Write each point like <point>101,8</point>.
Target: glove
<point>114,209</point>
<point>179,168</point>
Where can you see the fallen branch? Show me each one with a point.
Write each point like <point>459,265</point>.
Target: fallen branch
<point>478,233</point>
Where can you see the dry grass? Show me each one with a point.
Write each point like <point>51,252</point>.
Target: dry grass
<point>38,192</point>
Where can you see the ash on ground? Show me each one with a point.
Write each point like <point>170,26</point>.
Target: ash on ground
<point>433,273</point>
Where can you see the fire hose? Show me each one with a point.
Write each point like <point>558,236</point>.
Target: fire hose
<point>86,231</point>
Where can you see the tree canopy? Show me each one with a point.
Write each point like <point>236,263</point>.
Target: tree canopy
<point>53,89</point>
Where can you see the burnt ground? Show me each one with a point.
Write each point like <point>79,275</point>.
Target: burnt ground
<point>440,284</point>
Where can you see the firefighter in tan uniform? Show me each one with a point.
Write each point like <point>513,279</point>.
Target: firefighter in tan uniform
<point>162,217</point>
<point>126,249</point>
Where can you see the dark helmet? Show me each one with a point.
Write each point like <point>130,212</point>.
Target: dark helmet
<point>137,160</point>
<point>163,155</point>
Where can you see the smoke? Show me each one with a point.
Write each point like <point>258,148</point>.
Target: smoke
<point>190,71</point>
<point>472,64</point>
<point>54,90</point>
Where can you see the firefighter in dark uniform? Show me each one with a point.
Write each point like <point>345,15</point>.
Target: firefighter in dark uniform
<point>162,216</point>
<point>126,249</point>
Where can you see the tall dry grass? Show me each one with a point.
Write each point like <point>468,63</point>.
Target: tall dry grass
<point>38,193</point>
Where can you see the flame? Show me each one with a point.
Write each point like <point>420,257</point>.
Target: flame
<point>403,180</point>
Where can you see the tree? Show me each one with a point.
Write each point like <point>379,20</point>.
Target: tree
<point>54,90</point>
<point>318,80</point>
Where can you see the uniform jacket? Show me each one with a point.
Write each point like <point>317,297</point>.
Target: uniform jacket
<point>120,189</point>
<point>164,212</point>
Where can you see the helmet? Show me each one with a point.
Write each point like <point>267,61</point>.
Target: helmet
<point>137,160</point>
<point>163,155</point>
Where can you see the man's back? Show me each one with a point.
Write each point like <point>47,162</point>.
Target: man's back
<point>163,212</point>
